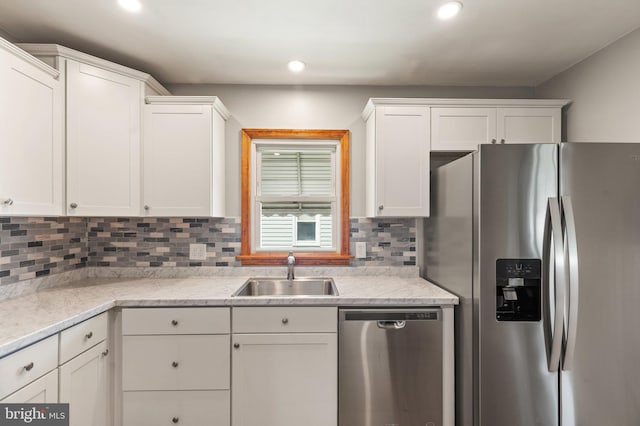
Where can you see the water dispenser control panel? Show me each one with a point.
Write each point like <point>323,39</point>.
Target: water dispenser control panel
<point>518,289</point>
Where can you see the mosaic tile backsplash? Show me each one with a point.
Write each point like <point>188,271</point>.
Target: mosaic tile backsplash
<point>34,247</point>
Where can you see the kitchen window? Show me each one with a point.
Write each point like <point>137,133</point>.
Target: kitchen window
<point>295,196</point>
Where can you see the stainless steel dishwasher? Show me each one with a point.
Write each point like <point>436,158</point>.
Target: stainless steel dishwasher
<point>390,367</point>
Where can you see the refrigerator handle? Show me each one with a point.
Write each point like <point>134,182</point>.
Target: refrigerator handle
<point>572,257</point>
<point>553,234</point>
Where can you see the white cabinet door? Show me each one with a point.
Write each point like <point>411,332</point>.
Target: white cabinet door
<point>41,391</point>
<point>84,384</point>
<point>284,379</point>
<point>398,152</point>
<point>177,160</point>
<point>529,125</point>
<point>463,128</point>
<point>103,142</point>
<point>31,146</point>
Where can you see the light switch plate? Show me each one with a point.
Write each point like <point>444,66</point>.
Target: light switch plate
<point>197,252</point>
<point>361,250</point>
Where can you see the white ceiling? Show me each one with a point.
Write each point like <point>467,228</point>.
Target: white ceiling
<point>374,42</point>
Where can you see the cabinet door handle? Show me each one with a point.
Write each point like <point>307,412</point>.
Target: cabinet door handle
<point>174,364</point>
<point>146,207</point>
<point>8,202</point>
<point>285,320</point>
<point>73,205</point>
<point>89,335</point>
<point>380,207</point>
<point>175,419</point>
<point>236,345</point>
<point>501,140</point>
<point>493,140</point>
<point>174,323</point>
<point>105,352</point>
<point>29,366</point>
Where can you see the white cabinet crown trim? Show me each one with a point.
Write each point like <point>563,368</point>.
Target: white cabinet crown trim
<point>15,50</point>
<point>58,50</point>
<point>214,101</point>
<point>530,103</point>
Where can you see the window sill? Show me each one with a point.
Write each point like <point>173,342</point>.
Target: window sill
<point>302,258</point>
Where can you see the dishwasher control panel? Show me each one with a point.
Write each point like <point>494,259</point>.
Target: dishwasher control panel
<point>518,289</point>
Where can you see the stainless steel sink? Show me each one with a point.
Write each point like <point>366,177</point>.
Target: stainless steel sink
<point>283,287</point>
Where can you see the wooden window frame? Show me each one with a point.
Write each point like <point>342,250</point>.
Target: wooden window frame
<point>342,255</point>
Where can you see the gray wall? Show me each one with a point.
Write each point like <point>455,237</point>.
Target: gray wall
<point>605,90</point>
<point>316,107</point>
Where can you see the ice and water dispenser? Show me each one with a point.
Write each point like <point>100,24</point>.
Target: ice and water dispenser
<point>518,289</point>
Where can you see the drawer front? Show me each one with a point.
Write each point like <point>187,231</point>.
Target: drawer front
<point>185,408</point>
<point>80,337</point>
<point>25,366</point>
<point>285,320</point>
<point>141,321</point>
<point>191,362</point>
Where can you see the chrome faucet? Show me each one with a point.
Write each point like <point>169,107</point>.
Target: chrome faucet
<point>291,261</point>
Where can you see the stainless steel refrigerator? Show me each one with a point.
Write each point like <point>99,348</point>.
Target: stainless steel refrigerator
<point>541,243</point>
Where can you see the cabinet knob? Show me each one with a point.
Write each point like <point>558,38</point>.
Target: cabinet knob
<point>146,207</point>
<point>8,202</point>
<point>285,320</point>
<point>73,205</point>
<point>175,419</point>
<point>236,345</point>
<point>175,364</point>
<point>89,335</point>
<point>380,207</point>
<point>105,352</point>
<point>174,323</point>
<point>493,140</point>
<point>501,140</point>
<point>29,366</point>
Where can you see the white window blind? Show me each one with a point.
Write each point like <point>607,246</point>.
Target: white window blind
<point>300,173</point>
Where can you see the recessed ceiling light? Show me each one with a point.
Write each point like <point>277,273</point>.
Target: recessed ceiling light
<point>296,66</point>
<point>449,10</point>
<point>130,5</point>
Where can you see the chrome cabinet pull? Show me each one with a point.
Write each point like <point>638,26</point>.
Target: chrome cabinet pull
<point>174,364</point>
<point>89,335</point>
<point>29,366</point>
<point>105,352</point>
<point>8,202</point>
<point>146,207</point>
<point>73,205</point>
<point>493,140</point>
<point>236,345</point>
<point>501,140</point>
<point>285,320</point>
<point>380,207</point>
<point>174,323</point>
<point>175,419</point>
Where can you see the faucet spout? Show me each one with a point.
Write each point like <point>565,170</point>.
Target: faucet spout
<point>291,261</point>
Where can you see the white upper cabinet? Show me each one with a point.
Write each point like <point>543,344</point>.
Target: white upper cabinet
<point>397,160</point>
<point>467,123</point>
<point>32,146</point>
<point>184,156</point>
<point>103,121</point>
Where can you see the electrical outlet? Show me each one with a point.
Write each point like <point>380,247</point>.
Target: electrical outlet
<point>197,252</point>
<point>361,250</point>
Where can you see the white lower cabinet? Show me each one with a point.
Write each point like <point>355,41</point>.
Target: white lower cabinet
<point>183,408</point>
<point>175,366</point>
<point>84,384</point>
<point>282,377</point>
<point>41,391</point>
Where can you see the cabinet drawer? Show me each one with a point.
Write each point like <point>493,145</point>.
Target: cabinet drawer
<point>175,321</point>
<point>285,320</point>
<point>185,408</point>
<point>193,362</point>
<point>23,367</point>
<point>80,337</point>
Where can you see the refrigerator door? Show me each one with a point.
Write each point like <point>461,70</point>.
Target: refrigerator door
<point>602,385</point>
<point>514,185</point>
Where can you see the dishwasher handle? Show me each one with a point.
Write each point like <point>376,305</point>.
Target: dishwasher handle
<point>391,325</point>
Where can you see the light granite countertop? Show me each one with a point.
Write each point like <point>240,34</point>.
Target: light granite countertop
<point>32,317</point>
